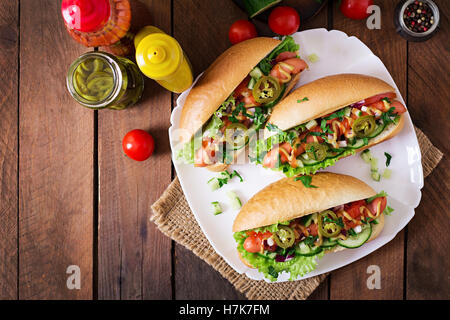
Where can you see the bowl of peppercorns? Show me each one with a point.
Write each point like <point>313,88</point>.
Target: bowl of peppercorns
<point>416,20</point>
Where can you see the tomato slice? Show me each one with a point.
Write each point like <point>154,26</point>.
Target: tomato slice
<point>313,230</point>
<point>373,206</point>
<point>252,244</point>
<point>297,63</point>
<point>242,88</point>
<point>399,107</point>
<point>279,73</point>
<point>285,55</point>
<point>312,138</point>
<point>378,97</point>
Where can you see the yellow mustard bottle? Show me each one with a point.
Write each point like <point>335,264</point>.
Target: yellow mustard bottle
<point>160,57</point>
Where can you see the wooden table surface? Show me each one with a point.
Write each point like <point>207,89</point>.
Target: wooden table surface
<point>69,196</point>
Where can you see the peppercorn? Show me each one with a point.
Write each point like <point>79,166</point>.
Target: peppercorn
<point>418,16</point>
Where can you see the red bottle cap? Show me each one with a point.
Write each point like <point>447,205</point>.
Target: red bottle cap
<point>85,15</point>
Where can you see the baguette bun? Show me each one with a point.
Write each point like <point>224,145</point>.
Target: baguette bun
<point>324,95</point>
<point>287,199</point>
<point>218,167</point>
<point>376,230</point>
<point>219,81</point>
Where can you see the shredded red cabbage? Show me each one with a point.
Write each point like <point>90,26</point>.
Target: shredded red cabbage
<point>280,258</point>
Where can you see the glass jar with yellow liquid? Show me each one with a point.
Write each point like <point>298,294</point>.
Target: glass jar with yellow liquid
<point>100,80</point>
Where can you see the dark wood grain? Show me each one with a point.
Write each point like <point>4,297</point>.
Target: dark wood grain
<point>134,257</point>
<point>203,34</point>
<point>55,161</point>
<point>9,49</point>
<point>428,95</point>
<point>350,282</point>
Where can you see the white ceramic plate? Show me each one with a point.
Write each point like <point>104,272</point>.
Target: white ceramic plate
<point>337,53</point>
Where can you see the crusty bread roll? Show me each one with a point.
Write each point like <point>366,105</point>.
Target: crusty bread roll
<point>376,230</point>
<point>325,95</point>
<point>220,80</point>
<point>329,94</point>
<point>287,199</point>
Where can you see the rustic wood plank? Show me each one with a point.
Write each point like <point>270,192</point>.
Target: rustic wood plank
<point>134,257</point>
<point>350,282</point>
<point>55,161</point>
<point>428,96</point>
<point>203,34</point>
<point>9,51</point>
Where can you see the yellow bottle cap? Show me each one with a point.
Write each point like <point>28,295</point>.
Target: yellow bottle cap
<point>158,55</point>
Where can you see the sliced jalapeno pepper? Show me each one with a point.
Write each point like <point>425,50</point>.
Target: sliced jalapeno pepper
<point>316,151</point>
<point>284,237</point>
<point>266,89</point>
<point>236,135</point>
<point>364,126</point>
<point>327,227</point>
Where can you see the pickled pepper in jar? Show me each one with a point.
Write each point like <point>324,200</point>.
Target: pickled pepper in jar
<point>96,23</point>
<point>99,80</point>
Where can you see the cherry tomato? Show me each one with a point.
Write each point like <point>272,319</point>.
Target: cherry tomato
<point>138,145</point>
<point>378,97</point>
<point>241,30</point>
<point>284,20</point>
<point>252,244</point>
<point>355,9</point>
<point>374,205</point>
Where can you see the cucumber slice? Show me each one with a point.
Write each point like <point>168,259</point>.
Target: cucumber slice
<point>216,208</point>
<point>256,73</point>
<point>235,201</point>
<point>359,143</point>
<point>376,176</point>
<point>328,243</point>
<point>379,129</point>
<point>311,124</point>
<point>304,250</point>
<point>251,83</point>
<point>255,7</point>
<point>333,154</point>
<point>308,162</point>
<point>307,220</point>
<point>213,184</point>
<point>358,240</point>
<point>267,254</point>
<point>366,156</point>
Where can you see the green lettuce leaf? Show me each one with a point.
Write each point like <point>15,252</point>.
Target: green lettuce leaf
<point>288,44</point>
<point>297,266</point>
<point>290,172</point>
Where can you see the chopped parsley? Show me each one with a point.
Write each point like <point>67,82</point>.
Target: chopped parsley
<point>306,180</point>
<point>309,240</point>
<point>388,159</point>
<point>302,100</point>
<point>273,272</point>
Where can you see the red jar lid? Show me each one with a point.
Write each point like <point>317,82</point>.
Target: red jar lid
<point>85,15</point>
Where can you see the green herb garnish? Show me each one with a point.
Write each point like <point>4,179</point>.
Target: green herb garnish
<point>388,159</point>
<point>306,180</point>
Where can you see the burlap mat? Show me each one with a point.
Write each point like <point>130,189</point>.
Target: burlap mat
<point>172,215</point>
